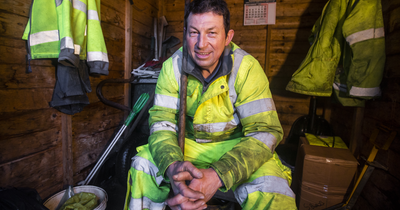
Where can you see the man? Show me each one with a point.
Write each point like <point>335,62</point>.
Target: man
<point>232,127</point>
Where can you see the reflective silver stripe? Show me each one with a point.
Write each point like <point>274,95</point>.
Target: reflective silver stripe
<point>43,37</point>
<point>238,57</point>
<point>358,91</point>
<point>365,35</point>
<point>163,125</point>
<point>218,127</point>
<point>97,56</point>
<point>340,87</point>
<point>93,15</point>
<point>203,140</point>
<point>177,64</point>
<point>255,107</point>
<point>66,42</point>
<point>142,164</point>
<point>79,6</point>
<point>145,203</point>
<point>267,184</point>
<point>166,101</point>
<point>379,32</point>
<point>266,138</point>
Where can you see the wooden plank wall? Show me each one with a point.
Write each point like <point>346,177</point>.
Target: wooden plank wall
<point>31,131</point>
<point>382,189</point>
<point>288,46</point>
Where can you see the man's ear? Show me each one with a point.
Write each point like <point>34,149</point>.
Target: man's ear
<point>229,37</point>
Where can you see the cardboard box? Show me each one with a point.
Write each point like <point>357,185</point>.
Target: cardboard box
<point>322,175</point>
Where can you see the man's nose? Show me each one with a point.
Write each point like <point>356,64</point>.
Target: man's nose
<point>202,41</point>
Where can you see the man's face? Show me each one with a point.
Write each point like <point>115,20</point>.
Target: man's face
<point>206,39</point>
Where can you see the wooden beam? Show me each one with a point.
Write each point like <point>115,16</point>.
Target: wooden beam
<point>128,54</point>
<point>268,51</point>
<point>66,132</point>
<point>355,138</point>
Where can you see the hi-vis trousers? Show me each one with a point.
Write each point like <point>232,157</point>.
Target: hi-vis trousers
<point>267,188</point>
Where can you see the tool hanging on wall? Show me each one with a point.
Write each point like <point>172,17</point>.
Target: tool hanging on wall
<point>156,40</point>
<point>163,24</point>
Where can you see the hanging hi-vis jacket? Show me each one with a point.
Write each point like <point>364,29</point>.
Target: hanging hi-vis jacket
<point>42,30</point>
<point>349,33</point>
<point>231,125</point>
<point>70,31</point>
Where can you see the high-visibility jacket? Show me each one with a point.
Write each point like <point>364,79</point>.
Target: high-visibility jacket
<point>67,30</point>
<point>238,104</point>
<point>42,30</point>
<point>231,126</point>
<point>348,34</point>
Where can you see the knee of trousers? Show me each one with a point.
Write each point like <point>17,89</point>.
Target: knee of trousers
<point>270,181</point>
<point>141,165</point>
<point>145,188</point>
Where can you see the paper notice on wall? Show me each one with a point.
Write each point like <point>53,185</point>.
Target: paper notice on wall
<point>259,13</point>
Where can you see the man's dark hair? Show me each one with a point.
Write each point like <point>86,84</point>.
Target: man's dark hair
<point>218,7</point>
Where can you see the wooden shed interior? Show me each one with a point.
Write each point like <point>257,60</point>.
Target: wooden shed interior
<point>44,149</point>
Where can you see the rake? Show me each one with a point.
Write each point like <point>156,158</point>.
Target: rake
<point>135,110</point>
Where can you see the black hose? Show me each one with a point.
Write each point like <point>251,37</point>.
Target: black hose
<point>108,102</point>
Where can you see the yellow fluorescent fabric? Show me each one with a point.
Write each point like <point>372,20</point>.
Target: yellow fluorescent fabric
<point>43,39</point>
<point>213,114</point>
<point>267,188</point>
<point>221,132</point>
<point>69,30</point>
<point>347,55</point>
<point>325,141</point>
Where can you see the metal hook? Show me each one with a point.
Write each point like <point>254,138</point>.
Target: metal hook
<point>133,4</point>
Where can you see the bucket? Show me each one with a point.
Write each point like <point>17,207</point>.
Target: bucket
<point>101,194</point>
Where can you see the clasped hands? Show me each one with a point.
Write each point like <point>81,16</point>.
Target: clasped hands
<point>203,184</point>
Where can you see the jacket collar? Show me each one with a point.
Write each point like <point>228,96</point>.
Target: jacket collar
<point>226,67</point>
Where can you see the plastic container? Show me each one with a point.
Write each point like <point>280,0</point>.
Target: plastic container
<point>101,194</point>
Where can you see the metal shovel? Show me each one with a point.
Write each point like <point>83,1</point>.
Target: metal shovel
<point>135,110</point>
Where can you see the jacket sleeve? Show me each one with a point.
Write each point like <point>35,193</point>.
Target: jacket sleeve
<point>97,56</point>
<point>262,130</point>
<point>163,143</point>
<point>364,32</point>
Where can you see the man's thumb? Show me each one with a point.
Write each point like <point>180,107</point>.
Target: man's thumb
<point>197,174</point>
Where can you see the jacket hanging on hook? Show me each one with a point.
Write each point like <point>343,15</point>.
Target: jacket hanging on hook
<point>347,53</point>
<point>69,31</point>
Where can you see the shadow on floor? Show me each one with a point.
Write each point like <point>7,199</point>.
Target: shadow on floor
<point>116,194</point>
